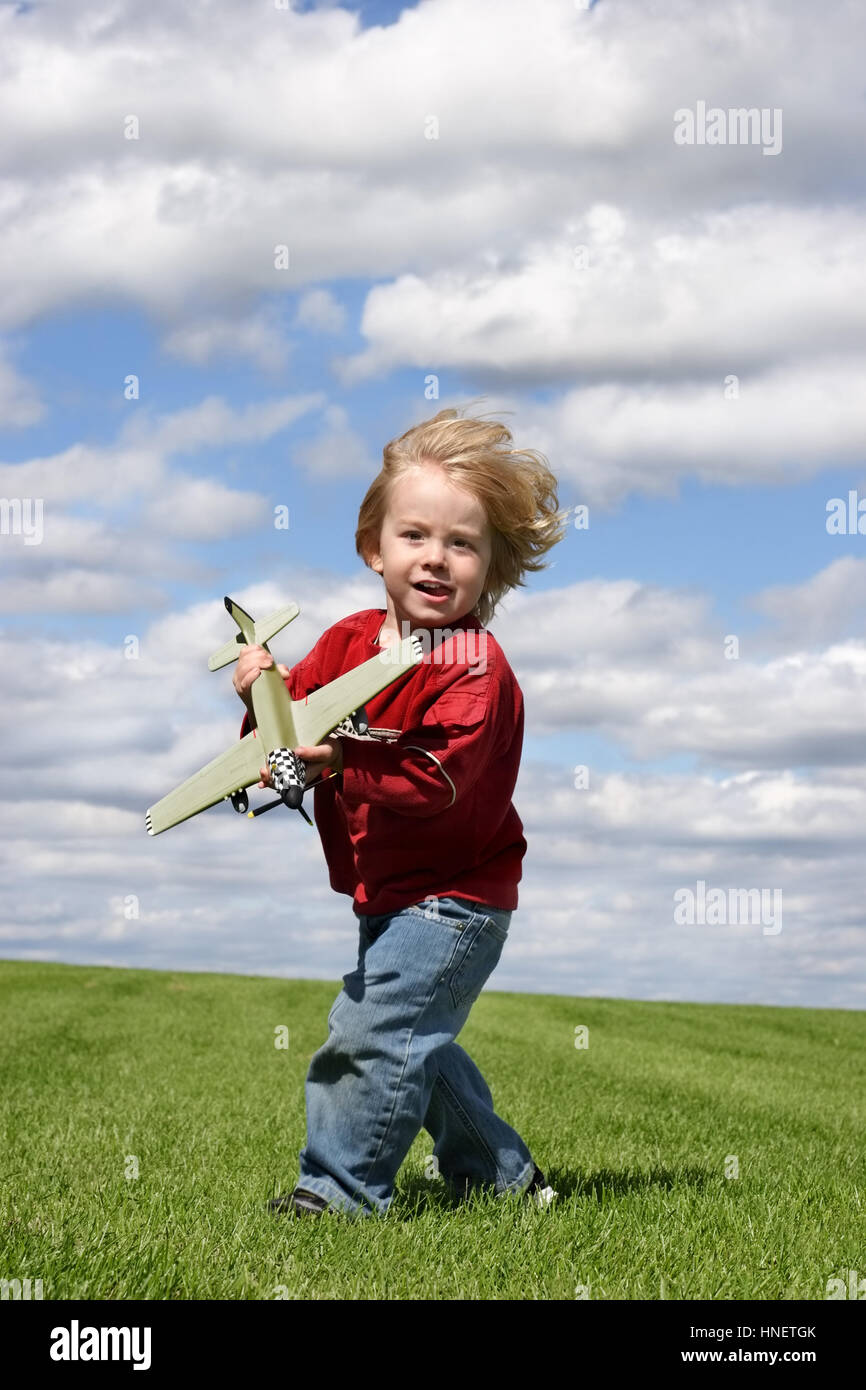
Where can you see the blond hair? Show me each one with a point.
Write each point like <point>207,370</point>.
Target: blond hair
<point>515,486</point>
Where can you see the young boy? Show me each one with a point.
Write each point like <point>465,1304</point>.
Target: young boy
<point>416,819</point>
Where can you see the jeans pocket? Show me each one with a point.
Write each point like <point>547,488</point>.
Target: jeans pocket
<point>498,923</point>
<point>376,927</point>
<point>478,961</point>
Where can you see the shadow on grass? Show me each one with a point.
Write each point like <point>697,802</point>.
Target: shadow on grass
<point>416,1195</point>
<point>605,1182</point>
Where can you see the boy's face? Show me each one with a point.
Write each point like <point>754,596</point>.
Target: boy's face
<point>432,531</point>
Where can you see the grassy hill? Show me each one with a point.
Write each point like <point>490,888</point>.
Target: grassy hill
<point>107,1073</point>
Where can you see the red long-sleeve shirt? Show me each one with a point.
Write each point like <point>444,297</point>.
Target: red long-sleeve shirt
<point>423,805</point>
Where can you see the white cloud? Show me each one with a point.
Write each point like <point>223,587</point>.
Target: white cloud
<point>596,902</point>
<point>338,452</point>
<point>728,292</point>
<point>322,311</point>
<point>596,914</point>
<point>202,509</point>
<point>824,608</point>
<point>212,421</point>
<point>94,564</point>
<point>542,113</point>
<point>136,463</point>
<point>83,542</point>
<point>78,591</point>
<point>646,667</point>
<point>611,440</point>
<point>257,337</point>
<point>82,472</point>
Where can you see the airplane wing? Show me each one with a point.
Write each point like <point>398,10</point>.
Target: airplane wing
<point>313,718</point>
<point>326,708</point>
<point>236,768</point>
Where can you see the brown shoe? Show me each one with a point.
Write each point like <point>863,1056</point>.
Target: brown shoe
<point>299,1203</point>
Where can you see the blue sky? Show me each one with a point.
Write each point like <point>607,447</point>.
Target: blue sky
<point>732,541</point>
<point>451,256</point>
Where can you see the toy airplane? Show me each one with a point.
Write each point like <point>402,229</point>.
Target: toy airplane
<point>282,724</point>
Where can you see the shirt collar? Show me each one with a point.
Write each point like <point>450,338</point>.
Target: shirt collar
<point>378,616</point>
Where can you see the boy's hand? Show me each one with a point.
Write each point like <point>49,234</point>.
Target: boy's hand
<point>326,754</point>
<point>251,662</point>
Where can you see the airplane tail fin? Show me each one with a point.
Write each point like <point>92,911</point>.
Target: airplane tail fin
<point>252,633</point>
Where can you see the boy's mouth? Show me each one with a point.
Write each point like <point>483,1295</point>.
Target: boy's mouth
<point>432,588</point>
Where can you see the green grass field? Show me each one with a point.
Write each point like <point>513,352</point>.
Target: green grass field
<point>104,1069</point>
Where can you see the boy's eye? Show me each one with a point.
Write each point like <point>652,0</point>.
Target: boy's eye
<point>460,540</point>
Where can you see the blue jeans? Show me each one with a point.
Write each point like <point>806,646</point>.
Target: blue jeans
<point>391,1065</point>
